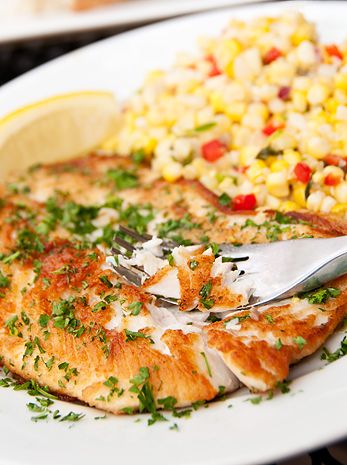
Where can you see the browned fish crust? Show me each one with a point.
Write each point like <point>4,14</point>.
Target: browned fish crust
<point>68,322</point>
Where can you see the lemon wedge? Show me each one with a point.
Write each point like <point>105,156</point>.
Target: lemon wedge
<point>56,129</point>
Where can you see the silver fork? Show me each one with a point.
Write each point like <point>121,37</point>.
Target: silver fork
<point>276,270</point>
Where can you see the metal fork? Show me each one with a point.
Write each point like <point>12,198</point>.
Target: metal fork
<point>275,271</point>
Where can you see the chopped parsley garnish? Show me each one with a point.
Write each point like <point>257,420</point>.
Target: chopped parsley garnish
<point>204,293</point>
<point>205,127</point>
<point>4,280</point>
<point>321,295</point>
<point>168,403</point>
<point>300,341</point>
<point>11,324</point>
<point>185,223</point>
<point>224,199</point>
<point>43,320</point>
<point>267,152</point>
<point>283,386</point>
<point>133,335</point>
<point>269,318</point>
<point>63,314</point>
<point>278,344</point>
<point>208,367</point>
<point>138,156</point>
<point>135,308</point>
<point>123,179</point>
<point>106,281</point>
<point>213,318</point>
<point>99,306</point>
<point>338,353</point>
<point>141,386</point>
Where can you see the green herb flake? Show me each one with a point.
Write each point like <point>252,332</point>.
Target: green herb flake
<point>133,335</point>
<point>135,308</point>
<point>4,280</point>
<point>300,341</point>
<point>224,199</point>
<point>43,320</point>
<point>208,367</point>
<point>269,318</point>
<point>193,264</point>
<point>321,295</point>
<point>122,179</point>
<point>338,353</point>
<point>106,281</point>
<point>205,127</point>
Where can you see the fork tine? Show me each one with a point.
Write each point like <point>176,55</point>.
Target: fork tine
<point>135,235</point>
<point>166,301</point>
<point>131,276</point>
<point>125,244</point>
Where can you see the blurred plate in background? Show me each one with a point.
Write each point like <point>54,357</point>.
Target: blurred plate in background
<point>129,12</point>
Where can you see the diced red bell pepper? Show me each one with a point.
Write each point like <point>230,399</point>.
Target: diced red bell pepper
<point>332,180</point>
<point>271,128</point>
<point>284,93</point>
<point>302,172</point>
<point>214,71</point>
<point>272,55</point>
<point>335,160</point>
<point>334,51</point>
<point>244,202</point>
<point>213,150</point>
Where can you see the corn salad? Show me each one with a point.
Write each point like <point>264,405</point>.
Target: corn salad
<point>258,115</point>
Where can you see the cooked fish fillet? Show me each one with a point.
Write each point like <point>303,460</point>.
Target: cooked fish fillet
<point>68,322</point>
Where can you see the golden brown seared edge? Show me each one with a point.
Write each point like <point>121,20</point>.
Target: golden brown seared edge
<point>50,265</point>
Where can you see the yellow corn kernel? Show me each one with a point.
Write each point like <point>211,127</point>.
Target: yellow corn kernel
<point>217,102</point>
<point>341,81</point>
<point>331,105</point>
<point>341,192</point>
<point>291,156</point>
<point>154,75</point>
<point>248,155</point>
<point>299,100</point>
<point>110,145</point>
<point>199,166</point>
<point>333,170</point>
<point>256,171</point>
<point>231,48</point>
<point>235,111</point>
<point>303,32</point>
<point>299,195</point>
<point>272,202</point>
<point>189,172</point>
<point>317,93</point>
<point>315,200</point>
<point>318,177</point>
<point>130,119</point>
<point>172,171</point>
<point>318,147</point>
<point>339,208</point>
<point>148,145</point>
<point>279,165</point>
<point>289,206</point>
<point>277,184</point>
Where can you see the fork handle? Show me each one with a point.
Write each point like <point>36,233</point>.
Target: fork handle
<point>323,272</point>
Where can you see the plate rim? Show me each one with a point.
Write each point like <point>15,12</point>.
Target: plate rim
<point>10,87</point>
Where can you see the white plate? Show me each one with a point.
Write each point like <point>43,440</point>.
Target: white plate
<point>130,12</point>
<point>311,415</point>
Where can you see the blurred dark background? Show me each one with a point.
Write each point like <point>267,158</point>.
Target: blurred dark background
<point>19,57</point>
